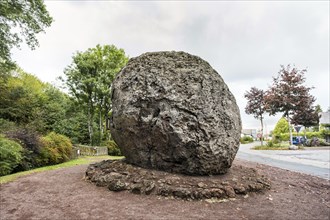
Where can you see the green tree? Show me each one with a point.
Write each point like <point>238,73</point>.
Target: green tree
<point>20,97</point>
<point>27,101</point>
<point>20,20</point>
<point>281,127</point>
<point>89,79</point>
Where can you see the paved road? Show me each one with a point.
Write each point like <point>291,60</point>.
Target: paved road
<point>313,161</point>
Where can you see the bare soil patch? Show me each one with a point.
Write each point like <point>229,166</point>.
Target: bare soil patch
<point>65,194</point>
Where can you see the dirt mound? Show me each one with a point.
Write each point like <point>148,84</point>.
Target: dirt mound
<point>120,176</point>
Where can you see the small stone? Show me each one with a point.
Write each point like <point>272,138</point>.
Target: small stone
<point>201,185</point>
<point>136,189</point>
<point>240,189</point>
<point>230,191</point>
<point>149,187</point>
<point>117,185</point>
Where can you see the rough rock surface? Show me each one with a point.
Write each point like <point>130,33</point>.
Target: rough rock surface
<point>120,176</point>
<point>172,111</point>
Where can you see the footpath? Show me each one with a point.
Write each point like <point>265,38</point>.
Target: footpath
<point>312,161</point>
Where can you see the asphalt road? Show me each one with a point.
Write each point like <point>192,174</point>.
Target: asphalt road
<point>313,161</point>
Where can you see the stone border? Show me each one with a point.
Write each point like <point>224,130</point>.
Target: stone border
<point>119,176</point>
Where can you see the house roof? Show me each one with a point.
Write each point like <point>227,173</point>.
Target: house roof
<point>325,118</point>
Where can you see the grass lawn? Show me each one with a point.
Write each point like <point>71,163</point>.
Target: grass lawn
<point>79,161</point>
<point>282,146</point>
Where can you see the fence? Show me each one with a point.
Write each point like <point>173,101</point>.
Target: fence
<point>90,151</point>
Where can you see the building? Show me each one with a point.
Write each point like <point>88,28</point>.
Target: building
<point>249,132</point>
<point>324,118</point>
<point>324,123</point>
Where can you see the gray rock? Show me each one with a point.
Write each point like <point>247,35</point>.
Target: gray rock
<point>172,111</point>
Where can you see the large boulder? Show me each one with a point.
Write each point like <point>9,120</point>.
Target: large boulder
<point>172,111</point>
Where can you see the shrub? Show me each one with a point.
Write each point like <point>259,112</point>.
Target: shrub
<point>270,144</point>
<point>113,148</point>
<point>30,141</point>
<point>10,155</point>
<point>57,149</point>
<point>246,139</point>
<point>323,142</point>
<point>6,125</point>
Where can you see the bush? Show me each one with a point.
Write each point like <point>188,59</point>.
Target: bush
<point>57,149</point>
<point>113,148</point>
<point>323,142</point>
<point>6,125</point>
<point>10,155</point>
<point>30,141</point>
<point>274,144</point>
<point>286,136</point>
<point>246,139</point>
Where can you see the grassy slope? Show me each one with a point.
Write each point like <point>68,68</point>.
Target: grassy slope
<point>79,161</point>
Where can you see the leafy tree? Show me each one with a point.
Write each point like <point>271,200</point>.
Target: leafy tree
<point>281,127</point>
<point>89,79</point>
<point>256,106</point>
<point>73,125</point>
<point>30,17</point>
<point>25,101</point>
<point>288,94</point>
<point>318,109</point>
<point>307,117</point>
<point>20,97</point>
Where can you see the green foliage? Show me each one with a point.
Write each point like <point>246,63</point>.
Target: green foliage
<point>325,130</point>
<point>30,141</point>
<point>57,148</point>
<point>89,79</point>
<point>282,126</point>
<point>6,125</point>
<point>20,97</point>
<point>25,101</point>
<point>286,136</point>
<point>113,148</point>
<point>323,142</point>
<point>246,140</point>
<point>10,155</point>
<point>80,161</point>
<point>273,145</point>
<point>20,20</point>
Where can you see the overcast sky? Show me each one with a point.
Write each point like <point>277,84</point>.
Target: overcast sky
<point>244,41</point>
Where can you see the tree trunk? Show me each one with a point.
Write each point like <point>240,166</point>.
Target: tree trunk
<point>290,129</point>
<point>100,124</point>
<point>262,131</point>
<point>90,122</point>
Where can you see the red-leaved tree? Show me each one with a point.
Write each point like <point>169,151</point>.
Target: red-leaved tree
<point>256,106</point>
<point>288,94</point>
<point>307,116</point>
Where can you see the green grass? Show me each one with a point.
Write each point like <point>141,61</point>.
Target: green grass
<point>71,163</point>
<point>265,147</point>
<point>282,146</point>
